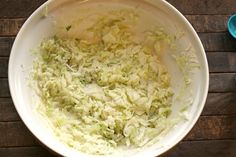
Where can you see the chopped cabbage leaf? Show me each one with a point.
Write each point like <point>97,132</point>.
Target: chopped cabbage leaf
<point>107,93</point>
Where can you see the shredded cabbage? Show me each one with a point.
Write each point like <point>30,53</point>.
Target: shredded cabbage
<point>104,93</point>
<point>187,62</point>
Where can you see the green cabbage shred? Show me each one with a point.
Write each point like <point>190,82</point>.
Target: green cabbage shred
<point>109,92</point>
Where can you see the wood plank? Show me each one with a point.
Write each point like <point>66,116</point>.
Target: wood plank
<point>7,110</point>
<point>219,82</point>
<point>222,61</point>
<point>209,23</point>
<point>201,23</point>
<point>25,152</point>
<point>23,8</point>
<point>4,88</point>
<point>183,149</point>
<point>205,6</point>
<point>18,8</point>
<point>216,104</point>
<point>3,67</point>
<point>218,41</point>
<point>15,134</point>
<point>10,27</point>
<point>207,128</point>
<point>5,45</point>
<point>222,148</point>
<point>220,104</point>
<point>222,82</point>
<point>218,62</point>
<point>214,128</point>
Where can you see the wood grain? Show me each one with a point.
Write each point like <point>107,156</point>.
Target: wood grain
<point>222,61</point>
<point>4,88</point>
<point>5,45</point>
<point>208,23</point>
<point>207,128</point>
<point>222,148</point>
<point>218,62</point>
<point>18,8</point>
<point>220,104</point>
<point>201,23</point>
<point>212,42</point>
<point>219,82</point>
<point>10,27</point>
<point>214,133</point>
<point>25,152</point>
<point>218,42</point>
<point>222,82</point>
<point>15,134</point>
<point>23,8</point>
<point>216,104</point>
<point>205,6</point>
<point>183,149</point>
<point>3,67</point>
<point>7,110</point>
<point>214,127</point>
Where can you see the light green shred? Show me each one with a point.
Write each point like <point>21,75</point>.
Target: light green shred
<point>187,62</point>
<point>107,93</point>
<point>45,11</point>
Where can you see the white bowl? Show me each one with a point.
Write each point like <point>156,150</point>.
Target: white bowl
<point>37,28</point>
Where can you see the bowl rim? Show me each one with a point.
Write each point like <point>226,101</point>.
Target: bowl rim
<point>230,20</point>
<point>61,152</point>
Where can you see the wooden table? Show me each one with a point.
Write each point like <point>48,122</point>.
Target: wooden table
<point>214,135</point>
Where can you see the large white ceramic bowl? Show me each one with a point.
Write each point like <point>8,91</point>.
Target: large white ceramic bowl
<point>36,28</point>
